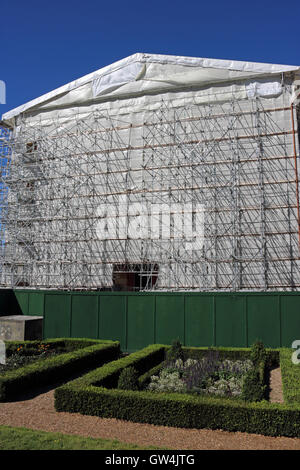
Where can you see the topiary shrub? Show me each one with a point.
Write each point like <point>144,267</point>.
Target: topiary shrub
<point>258,353</point>
<point>252,388</point>
<point>175,352</point>
<point>128,379</point>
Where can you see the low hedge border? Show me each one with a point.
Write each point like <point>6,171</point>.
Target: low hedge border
<point>145,378</point>
<point>290,374</point>
<point>234,354</point>
<point>89,395</point>
<point>107,376</point>
<point>66,344</point>
<point>88,353</point>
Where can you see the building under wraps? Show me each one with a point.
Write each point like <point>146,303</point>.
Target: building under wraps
<point>155,173</point>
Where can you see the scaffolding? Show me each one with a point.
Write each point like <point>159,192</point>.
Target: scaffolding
<point>5,148</point>
<point>192,197</point>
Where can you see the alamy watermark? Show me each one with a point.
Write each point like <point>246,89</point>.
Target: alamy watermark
<point>137,221</point>
<point>2,352</point>
<point>296,345</point>
<point>2,92</point>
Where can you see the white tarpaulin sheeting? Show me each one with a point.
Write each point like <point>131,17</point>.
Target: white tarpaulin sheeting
<point>110,81</point>
<point>140,73</point>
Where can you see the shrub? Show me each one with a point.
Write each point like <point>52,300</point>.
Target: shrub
<point>197,372</point>
<point>167,381</point>
<point>206,375</point>
<point>258,353</point>
<point>145,378</point>
<point>290,373</point>
<point>15,361</point>
<point>174,409</point>
<point>58,367</point>
<point>253,389</point>
<point>175,352</point>
<point>60,345</point>
<point>128,379</point>
<point>225,387</point>
<point>143,360</point>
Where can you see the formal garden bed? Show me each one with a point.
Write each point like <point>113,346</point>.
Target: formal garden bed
<point>30,364</point>
<point>122,389</point>
<point>208,375</point>
<point>20,354</point>
<point>212,388</point>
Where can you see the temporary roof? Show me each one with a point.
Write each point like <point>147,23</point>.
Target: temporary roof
<point>142,72</point>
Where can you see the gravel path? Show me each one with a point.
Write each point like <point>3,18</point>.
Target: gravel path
<point>38,412</point>
<point>276,395</point>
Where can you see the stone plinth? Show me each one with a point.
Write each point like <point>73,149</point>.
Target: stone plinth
<point>21,327</point>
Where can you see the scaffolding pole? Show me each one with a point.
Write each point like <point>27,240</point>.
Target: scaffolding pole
<point>226,169</point>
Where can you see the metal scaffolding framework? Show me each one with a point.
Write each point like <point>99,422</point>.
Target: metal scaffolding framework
<point>5,149</point>
<point>200,197</point>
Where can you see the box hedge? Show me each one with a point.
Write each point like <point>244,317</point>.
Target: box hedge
<point>83,354</point>
<point>290,377</point>
<point>91,395</point>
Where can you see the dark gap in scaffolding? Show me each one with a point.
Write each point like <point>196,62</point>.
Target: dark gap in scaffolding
<point>134,277</point>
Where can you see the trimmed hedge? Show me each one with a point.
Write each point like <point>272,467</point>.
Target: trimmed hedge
<point>254,385</point>
<point>145,379</point>
<point>234,354</point>
<point>181,410</point>
<point>56,344</point>
<point>128,379</point>
<point>69,344</point>
<point>89,353</point>
<point>89,395</point>
<point>290,377</point>
<point>108,375</point>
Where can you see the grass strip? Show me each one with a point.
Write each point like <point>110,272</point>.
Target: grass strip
<point>12,438</point>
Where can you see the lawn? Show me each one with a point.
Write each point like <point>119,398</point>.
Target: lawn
<point>26,439</point>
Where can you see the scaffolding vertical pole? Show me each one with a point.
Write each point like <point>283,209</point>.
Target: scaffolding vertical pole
<point>233,159</point>
<point>5,156</point>
<point>296,173</point>
<point>262,202</point>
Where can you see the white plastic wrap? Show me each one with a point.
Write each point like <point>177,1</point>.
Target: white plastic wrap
<point>140,73</point>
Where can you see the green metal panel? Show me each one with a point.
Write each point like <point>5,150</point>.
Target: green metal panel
<point>23,301</point>
<point>84,316</point>
<point>36,303</point>
<point>264,320</point>
<point>169,323</point>
<point>290,319</point>
<point>230,322</point>
<point>57,316</point>
<point>199,320</point>
<point>140,321</point>
<point>112,318</point>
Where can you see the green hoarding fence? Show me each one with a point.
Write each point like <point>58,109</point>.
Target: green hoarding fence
<point>139,319</point>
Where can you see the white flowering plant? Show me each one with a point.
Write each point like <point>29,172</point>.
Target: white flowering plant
<point>208,375</point>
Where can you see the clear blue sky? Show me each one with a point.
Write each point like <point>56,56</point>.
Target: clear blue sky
<point>47,44</point>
